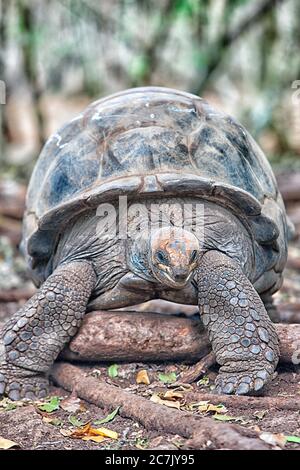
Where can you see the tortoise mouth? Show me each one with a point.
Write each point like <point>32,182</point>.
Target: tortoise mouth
<point>175,281</point>
<point>178,283</point>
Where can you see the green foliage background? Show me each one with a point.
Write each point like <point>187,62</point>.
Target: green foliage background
<point>243,55</point>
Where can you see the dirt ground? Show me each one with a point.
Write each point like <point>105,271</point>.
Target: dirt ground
<point>31,427</point>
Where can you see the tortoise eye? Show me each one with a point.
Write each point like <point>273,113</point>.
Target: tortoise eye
<point>162,257</point>
<point>194,255</point>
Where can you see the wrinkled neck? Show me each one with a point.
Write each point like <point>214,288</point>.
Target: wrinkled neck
<point>138,255</point>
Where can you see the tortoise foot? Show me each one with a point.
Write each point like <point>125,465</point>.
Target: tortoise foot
<point>235,378</point>
<point>18,383</point>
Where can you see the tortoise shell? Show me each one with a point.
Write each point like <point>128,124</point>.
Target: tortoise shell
<point>154,141</point>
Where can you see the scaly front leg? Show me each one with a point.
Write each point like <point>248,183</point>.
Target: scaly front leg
<point>32,339</point>
<point>242,335</point>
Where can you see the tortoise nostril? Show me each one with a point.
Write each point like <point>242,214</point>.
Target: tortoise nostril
<point>180,277</point>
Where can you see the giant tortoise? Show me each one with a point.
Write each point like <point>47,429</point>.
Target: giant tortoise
<point>150,193</point>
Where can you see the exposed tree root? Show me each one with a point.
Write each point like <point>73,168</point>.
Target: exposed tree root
<point>131,336</point>
<point>202,432</point>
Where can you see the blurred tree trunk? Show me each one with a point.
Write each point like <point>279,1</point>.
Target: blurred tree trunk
<point>29,51</point>
<point>152,53</point>
<point>218,50</point>
<point>3,127</point>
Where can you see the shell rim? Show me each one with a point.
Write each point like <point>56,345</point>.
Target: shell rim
<point>168,185</point>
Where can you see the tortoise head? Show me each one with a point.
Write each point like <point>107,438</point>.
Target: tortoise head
<point>173,256</point>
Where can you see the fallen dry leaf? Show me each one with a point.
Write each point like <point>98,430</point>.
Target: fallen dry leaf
<point>6,444</point>
<point>273,439</point>
<point>171,404</point>
<point>181,386</point>
<point>83,431</point>
<point>206,407</point>
<point>66,432</point>
<point>87,432</point>
<point>142,377</point>
<point>106,433</point>
<point>173,395</point>
<point>260,414</point>
<point>72,405</point>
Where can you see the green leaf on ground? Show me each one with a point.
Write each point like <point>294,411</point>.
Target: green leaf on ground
<point>113,371</point>
<point>51,405</point>
<point>167,378</point>
<point>77,422</point>
<point>204,381</point>
<point>53,421</point>
<point>108,418</point>
<point>221,417</point>
<point>141,443</point>
<point>294,439</point>
<point>6,405</point>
